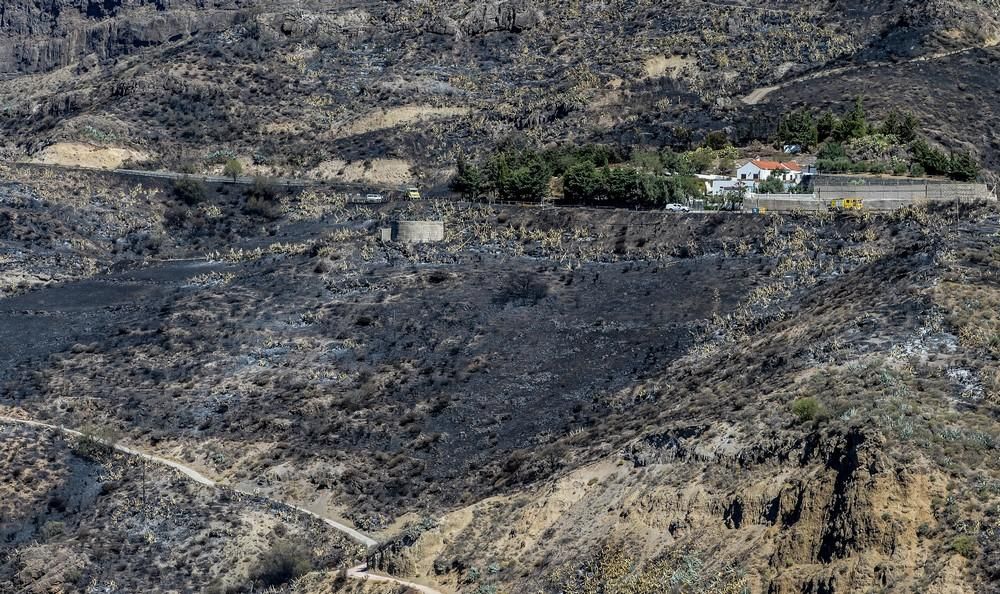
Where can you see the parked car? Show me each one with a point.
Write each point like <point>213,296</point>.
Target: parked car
<point>674,207</point>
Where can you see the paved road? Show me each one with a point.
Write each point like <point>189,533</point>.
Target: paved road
<point>360,572</point>
<point>245,180</point>
<point>216,179</point>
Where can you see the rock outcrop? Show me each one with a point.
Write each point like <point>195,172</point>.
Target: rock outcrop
<point>38,37</point>
<point>502,15</point>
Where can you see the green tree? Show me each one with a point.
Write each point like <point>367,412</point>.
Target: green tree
<point>675,162</point>
<point>700,160</point>
<point>933,161</point>
<point>902,125</point>
<point>682,188</point>
<point>826,125</point>
<point>233,169</point>
<point>854,125</point>
<point>963,167</point>
<point>519,175</point>
<point>469,180</point>
<point>832,151</point>
<point>716,140</point>
<point>647,161</point>
<point>772,185</point>
<point>582,183</point>
<point>799,127</point>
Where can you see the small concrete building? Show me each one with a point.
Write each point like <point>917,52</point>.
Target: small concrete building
<point>414,231</point>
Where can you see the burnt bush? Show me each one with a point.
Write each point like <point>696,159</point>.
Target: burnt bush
<point>189,191</point>
<point>282,563</point>
<point>262,199</point>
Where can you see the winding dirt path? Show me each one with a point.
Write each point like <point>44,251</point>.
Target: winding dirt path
<point>360,572</point>
<point>759,95</point>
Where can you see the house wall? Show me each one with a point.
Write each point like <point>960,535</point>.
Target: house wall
<point>718,186</point>
<point>750,170</point>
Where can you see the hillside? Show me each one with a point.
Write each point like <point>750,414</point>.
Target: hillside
<point>391,91</point>
<point>224,384</point>
<point>78,516</point>
<point>552,400</point>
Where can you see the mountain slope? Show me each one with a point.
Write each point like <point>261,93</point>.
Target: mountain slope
<point>314,86</point>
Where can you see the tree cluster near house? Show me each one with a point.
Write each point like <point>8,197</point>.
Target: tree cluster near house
<point>591,175</point>
<point>853,144</point>
<point>649,178</point>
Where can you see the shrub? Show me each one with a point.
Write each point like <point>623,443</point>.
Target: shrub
<point>771,185</point>
<point>877,167</point>
<point>262,199</point>
<point>716,140</point>
<point>53,529</point>
<point>842,165</point>
<point>233,169</point>
<point>189,191</point>
<point>282,563</point>
<point>964,545</point>
<point>832,151</point>
<point>806,409</point>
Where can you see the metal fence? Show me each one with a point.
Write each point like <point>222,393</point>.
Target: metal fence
<point>876,197</point>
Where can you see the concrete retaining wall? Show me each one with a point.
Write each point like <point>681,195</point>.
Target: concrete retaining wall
<point>876,197</point>
<point>415,231</point>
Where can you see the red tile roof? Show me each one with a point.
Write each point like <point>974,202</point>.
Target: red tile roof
<point>774,165</point>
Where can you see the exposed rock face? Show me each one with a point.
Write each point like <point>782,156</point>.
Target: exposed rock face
<point>43,36</point>
<point>501,15</point>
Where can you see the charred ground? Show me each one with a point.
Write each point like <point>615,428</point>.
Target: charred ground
<point>792,401</point>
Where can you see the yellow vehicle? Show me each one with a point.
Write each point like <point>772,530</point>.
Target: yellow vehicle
<point>847,204</point>
<point>413,193</point>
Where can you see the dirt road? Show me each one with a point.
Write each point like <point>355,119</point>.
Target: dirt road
<point>358,573</point>
<point>361,573</point>
<point>759,95</point>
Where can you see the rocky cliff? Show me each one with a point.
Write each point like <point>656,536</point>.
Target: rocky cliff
<point>41,36</point>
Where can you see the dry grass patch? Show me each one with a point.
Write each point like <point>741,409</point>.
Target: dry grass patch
<point>79,154</point>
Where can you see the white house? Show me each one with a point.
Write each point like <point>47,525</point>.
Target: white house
<point>716,185</point>
<point>759,170</point>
